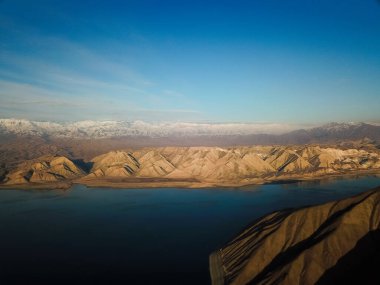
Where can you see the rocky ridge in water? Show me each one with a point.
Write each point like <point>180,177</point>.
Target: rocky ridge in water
<point>333,243</point>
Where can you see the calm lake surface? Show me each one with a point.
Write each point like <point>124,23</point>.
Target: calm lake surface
<point>137,236</point>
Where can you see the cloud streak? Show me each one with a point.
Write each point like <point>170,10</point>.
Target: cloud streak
<point>26,101</point>
<point>66,77</point>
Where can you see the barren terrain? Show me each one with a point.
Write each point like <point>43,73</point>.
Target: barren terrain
<point>195,166</point>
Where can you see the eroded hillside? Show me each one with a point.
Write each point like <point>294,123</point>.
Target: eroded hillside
<point>333,243</point>
<point>208,165</point>
<point>44,169</point>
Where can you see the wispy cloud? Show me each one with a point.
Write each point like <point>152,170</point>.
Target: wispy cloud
<point>22,100</point>
<point>174,93</point>
<point>63,74</point>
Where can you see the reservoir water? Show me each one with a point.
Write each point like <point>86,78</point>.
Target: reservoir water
<point>138,236</point>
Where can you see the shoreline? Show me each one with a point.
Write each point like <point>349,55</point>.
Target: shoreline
<point>188,184</point>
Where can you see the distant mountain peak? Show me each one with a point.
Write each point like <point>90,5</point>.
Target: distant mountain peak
<point>101,129</point>
<point>338,126</point>
<point>222,133</point>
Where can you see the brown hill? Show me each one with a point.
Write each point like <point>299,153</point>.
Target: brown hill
<point>333,243</point>
<point>208,165</point>
<point>44,169</point>
<point>113,164</point>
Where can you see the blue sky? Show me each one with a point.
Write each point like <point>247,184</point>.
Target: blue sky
<point>296,62</point>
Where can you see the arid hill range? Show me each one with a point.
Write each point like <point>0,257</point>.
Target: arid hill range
<point>22,140</point>
<point>196,166</point>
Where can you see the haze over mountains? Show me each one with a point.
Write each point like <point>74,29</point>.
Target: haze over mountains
<point>235,133</point>
<point>22,140</point>
<point>104,129</point>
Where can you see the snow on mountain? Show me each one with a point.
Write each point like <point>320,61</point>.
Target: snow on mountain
<point>338,127</point>
<point>106,129</point>
<point>103,129</point>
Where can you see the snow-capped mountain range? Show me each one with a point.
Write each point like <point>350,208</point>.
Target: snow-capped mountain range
<point>108,129</point>
<point>104,129</point>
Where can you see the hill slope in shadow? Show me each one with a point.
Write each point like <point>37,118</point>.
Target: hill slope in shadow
<point>333,243</point>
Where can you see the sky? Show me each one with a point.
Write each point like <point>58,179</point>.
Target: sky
<point>296,61</point>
